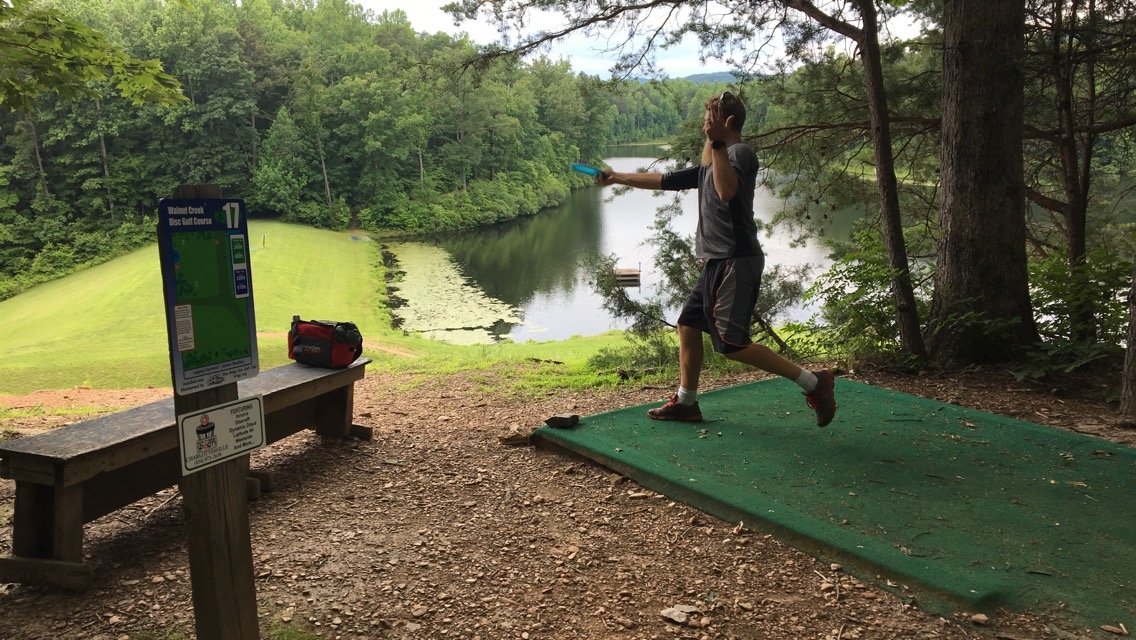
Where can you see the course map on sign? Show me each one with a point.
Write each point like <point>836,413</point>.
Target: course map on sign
<point>208,290</point>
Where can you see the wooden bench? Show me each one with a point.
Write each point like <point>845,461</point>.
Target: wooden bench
<point>74,474</point>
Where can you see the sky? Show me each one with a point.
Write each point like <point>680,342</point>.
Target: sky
<point>585,55</point>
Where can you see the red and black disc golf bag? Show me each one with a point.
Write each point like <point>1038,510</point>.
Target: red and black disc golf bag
<point>324,343</point>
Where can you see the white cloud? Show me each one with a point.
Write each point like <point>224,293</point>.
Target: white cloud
<point>585,54</point>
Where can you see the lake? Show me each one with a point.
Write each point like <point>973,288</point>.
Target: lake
<point>526,279</point>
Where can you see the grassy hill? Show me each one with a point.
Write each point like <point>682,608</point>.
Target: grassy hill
<point>105,327</point>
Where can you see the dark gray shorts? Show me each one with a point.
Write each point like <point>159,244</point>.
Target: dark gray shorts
<point>723,299</point>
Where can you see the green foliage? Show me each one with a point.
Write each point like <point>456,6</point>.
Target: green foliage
<point>857,307</point>
<point>46,51</point>
<point>646,111</point>
<point>1064,356</point>
<point>1101,285</point>
<point>818,147</point>
<point>281,174</point>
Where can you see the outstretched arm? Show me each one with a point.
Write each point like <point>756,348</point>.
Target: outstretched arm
<point>637,180</point>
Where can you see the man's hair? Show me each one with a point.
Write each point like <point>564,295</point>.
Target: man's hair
<point>731,106</point>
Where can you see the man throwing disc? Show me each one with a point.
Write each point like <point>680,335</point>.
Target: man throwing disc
<point>725,242</point>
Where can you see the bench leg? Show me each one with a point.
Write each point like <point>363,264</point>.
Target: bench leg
<point>48,522</point>
<point>252,489</point>
<point>336,410</point>
<point>68,526</point>
<point>47,538</point>
<point>32,521</point>
<point>264,478</point>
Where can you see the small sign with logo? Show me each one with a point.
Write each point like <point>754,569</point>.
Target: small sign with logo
<point>216,434</point>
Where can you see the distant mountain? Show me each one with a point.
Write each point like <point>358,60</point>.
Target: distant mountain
<point>719,76</point>
<point>702,78</point>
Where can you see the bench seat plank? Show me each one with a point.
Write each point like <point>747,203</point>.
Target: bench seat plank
<point>117,440</point>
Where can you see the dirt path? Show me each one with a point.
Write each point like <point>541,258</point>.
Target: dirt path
<point>435,530</point>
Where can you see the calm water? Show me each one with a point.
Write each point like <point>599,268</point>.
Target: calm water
<point>525,280</point>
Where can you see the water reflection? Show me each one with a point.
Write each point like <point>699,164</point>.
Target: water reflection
<point>525,280</point>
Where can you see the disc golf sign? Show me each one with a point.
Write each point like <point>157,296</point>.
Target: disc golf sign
<point>207,283</point>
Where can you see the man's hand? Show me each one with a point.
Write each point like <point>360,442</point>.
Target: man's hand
<point>715,126</point>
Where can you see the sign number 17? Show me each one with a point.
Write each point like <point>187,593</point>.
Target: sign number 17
<point>232,214</point>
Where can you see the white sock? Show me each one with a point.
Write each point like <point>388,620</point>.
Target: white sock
<point>807,381</point>
<point>686,396</point>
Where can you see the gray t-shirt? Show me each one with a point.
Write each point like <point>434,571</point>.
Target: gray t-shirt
<point>725,229</point>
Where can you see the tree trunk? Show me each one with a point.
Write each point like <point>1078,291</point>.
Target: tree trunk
<point>323,168</point>
<point>1075,148</point>
<point>981,309</point>
<point>106,165</point>
<point>255,144</point>
<point>892,222</point>
<point>38,156</point>
<point>1128,390</point>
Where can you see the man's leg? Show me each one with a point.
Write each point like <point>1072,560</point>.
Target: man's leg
<point>735,298</point>
<point>683,405</point>
<point>817,386</point>
<point>690,356</point>
<point>766,359</point>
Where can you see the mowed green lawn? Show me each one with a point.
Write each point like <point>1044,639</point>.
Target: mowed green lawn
<point>105,327</point>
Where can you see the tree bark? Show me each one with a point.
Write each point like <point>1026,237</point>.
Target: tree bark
<point>323,168</point>
<point>1128,390</point>
<point>38,156</point>
<point>903,293</point>
<point>981,309</point>
<point>1075,147</point>
<point>106,164</point>
<point>255,144</point>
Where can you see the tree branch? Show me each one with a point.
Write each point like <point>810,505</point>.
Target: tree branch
<point>829,22</point>
<point>1044,201</point>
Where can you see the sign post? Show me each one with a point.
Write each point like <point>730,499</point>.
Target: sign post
<point>203,243</point>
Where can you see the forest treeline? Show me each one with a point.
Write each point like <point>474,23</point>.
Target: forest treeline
<point>320,113</point>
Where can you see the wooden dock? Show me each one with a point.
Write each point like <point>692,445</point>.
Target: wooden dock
<point>626,277</point>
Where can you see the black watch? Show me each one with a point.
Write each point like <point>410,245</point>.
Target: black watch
<point>718,144</point>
